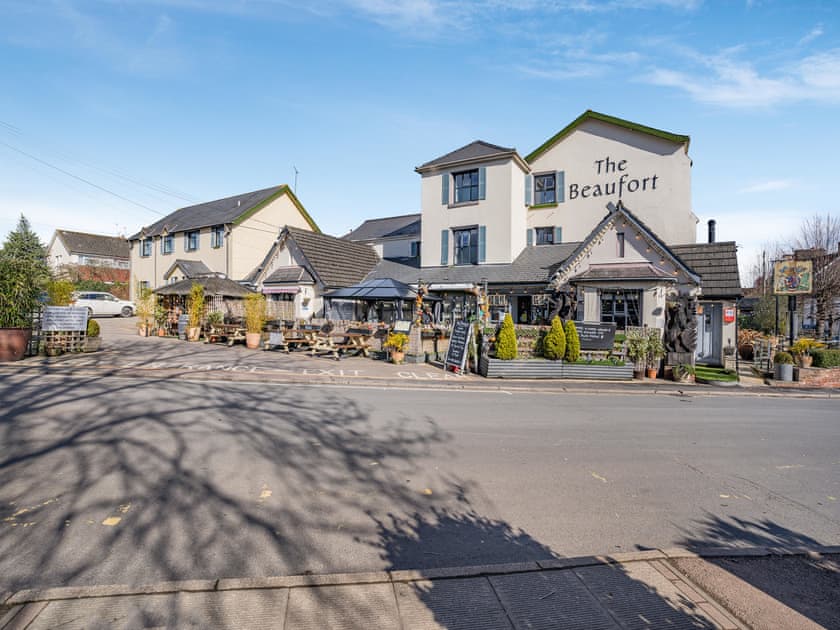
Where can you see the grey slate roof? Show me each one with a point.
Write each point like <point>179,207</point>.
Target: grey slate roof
<point>190,268</point>
<point>289,275</point>
<point>212,286</point>
<point>94,244</point>
<point>535,265</point>
<point>334,261</point>
<point>387,227</point>
<point>216,212</point>
<point>624,271</point>
<point>717,265</point>
<point>473,150</point>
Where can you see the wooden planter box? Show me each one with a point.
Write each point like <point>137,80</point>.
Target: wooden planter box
<point>543,368</point>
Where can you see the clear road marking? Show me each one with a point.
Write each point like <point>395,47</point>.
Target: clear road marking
<point>599,477</point>
<point>112,521</point>
<point>724,496</point>
<point>831,498</point>
<point>788,467</point>
<point>265,493</point>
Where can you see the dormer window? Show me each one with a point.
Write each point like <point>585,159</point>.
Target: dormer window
<point>466,186</point>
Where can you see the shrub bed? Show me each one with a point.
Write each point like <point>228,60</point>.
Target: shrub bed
<point>826,358</point>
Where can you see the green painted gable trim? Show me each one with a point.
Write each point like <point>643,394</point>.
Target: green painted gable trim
<point>284,190</point>
<point>590,115</point>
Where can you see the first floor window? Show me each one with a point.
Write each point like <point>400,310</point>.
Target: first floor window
<point>167,244</point>
<point>217,236</point>
<point>415,249</point>
<point>466,186</point>
<point>545,235</point>
<point>146,247</point>
<point>622,308</point>
<point>191,241</point>
<point>545,189</point>
<point>466,246</point>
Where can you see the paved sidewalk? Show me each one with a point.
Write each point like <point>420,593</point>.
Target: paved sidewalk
<point>648,589</point>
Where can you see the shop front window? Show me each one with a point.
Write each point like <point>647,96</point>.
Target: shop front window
<point>621,308</point>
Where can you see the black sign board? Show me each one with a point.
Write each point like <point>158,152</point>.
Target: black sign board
<point>64,318</point>
<point>456,355</point>
<point>402,326</point>
<point>183,322</point>
<point>595,336</point>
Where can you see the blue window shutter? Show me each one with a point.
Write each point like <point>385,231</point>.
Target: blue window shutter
<point>561,186</point>
<point>482,183</point>
<point>482,243</point>
<point>529,237</point>
<point>444,247</point>
<point>186,241</point>
<point>528,189</point>
<point>558,234</point>
<point>444,189</point>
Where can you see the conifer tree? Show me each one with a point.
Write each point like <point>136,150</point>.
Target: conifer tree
<point>23,245</point>
<point>554,344</point>
<point>572,342</point>
<point>506,340</point>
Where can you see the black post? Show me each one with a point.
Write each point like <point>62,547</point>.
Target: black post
<point>792,316</point>
<point>776,331</point>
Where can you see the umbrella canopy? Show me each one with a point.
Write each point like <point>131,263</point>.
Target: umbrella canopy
<point>212,286</point>
<point>376,290</point>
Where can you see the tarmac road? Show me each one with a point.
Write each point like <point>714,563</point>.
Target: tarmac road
<point>136,480</point>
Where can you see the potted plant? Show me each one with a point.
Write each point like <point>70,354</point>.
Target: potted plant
<point>145,309</point>
<point>684,373</point>
<point>161,315</point>
<point>255,316</point>
<point>783,366</point>
<point>18,299</point>
<point>92,339</point>
<point>636,342</point>
<point>195,311</point>
<point>397,342</point>
<point>802,350</point>
<point>655,351</point>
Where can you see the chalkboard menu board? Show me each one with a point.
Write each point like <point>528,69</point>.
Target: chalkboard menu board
<point>64,318</point>
<point>595,336</point>
<point>183,322</point>
<point>456,355</point>
<point>402,326</point>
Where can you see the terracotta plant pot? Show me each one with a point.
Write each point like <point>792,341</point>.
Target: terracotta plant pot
<point>161,332</point>
<point>193,333</point>
<point>805,360</point>
<point>397,356</point>
<point>651,372</point>
<point>252,340</point>
<point>143,331</point>
<point>13,343</point>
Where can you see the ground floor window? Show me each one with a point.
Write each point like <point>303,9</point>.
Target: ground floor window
<point>623,308</point>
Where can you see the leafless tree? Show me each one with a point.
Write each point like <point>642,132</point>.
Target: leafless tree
<point>818,241</point>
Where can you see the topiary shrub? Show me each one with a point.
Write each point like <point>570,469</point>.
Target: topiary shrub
<point>554,344</point>
<point>783,358</point>
<point>826,358</point>
<point>92,328</point>
<point>506,340</point>
<point>572,342</point>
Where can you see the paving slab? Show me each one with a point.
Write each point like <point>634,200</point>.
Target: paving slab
<point>352,607</point>
<point>467,604</point>
<point>242,610</point>
<point>550,600</point>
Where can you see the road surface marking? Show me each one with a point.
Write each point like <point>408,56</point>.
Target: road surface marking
<point>112,521</point>
<point>599,477</point>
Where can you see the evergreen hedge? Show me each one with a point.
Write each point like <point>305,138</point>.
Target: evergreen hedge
<point>506,340</point>
<point>826,358</point>
<point>572,342</point>
<point>554,344</point>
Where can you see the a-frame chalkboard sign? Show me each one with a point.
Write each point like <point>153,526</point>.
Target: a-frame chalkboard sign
<point>456,354</point>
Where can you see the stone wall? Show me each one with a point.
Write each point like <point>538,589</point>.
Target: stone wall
<point>818,377</point>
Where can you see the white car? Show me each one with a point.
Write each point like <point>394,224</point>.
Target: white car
<point>99,303</point>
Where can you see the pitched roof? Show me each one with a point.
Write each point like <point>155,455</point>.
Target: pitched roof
<point>94,244</point>
<point>473,151</point>
<point>717,265</point>
<point>535,266</point>
<point>212,286</point>
<point>292,275</point>
<point>333,261</point>
<point>233,209</point>
<point>386,227</point>
<point>624,271</point>
<point>619,122</point>
<point>190,268</point>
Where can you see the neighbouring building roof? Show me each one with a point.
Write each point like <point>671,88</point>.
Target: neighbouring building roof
<point>289,275</point>
<point>717,265</point>
<point>619,122</point>
<point>377,289</point>
<point>233,209</point>
<point>403,226</point>
<point>534,266</point>
<point>190,268</point>
<point>212,286</point>
<point>477,150</point>
<point>94,244</point>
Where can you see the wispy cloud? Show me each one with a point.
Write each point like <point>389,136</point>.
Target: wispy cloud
<point>813,34</point>
<point>768,186</point>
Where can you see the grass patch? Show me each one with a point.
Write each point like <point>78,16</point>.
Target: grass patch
<point>716,374</point>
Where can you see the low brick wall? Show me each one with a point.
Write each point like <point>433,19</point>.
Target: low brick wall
<point>819,377</point>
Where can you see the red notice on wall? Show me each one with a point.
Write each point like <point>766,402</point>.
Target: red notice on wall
<point>729,314</point>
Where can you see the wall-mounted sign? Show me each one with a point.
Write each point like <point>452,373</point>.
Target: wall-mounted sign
<point>620,181</point>
<point>728,314</point>
<point>595,336</point>
<point>792,277</point>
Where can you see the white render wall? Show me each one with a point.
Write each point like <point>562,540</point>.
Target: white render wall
<point>652,174</point>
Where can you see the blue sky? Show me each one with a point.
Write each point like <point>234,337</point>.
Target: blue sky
<point>162,103</point>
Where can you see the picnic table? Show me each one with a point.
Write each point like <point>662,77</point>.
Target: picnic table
<point>229,333</point>
<point>312,339</point>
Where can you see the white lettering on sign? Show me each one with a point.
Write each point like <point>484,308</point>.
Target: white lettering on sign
<point>624,184</point>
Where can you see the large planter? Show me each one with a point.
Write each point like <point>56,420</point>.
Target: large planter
<point>193,333</point>
<point>783,372</point>
<point>13,343</point>
<point>252,340</point>
<point>397,356</point>
<point>543,368</point>
<point>651,372</point>
<point>92,344</point>
<point>805,360</point>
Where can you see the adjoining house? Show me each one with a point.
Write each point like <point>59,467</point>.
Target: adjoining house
<point>302,265</point>
<point>391,237</point>
<point>86,256</point>
<point>227,236</point>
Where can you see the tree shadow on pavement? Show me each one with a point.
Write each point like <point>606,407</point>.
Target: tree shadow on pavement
<point>805,583</point>
<point>601,596</point>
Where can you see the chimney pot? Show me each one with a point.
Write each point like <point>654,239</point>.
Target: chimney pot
<point>712,224</point>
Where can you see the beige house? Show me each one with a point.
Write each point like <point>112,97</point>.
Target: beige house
<point>82,249</point>
<point>227,236</point>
